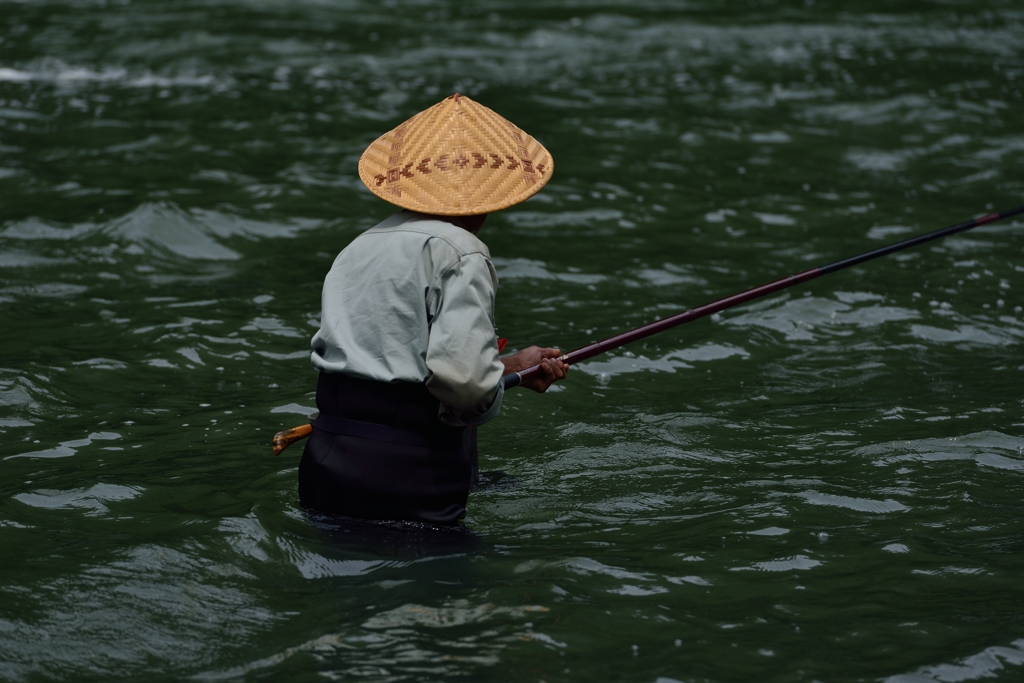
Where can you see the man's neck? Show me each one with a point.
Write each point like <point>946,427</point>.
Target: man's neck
<point>468,223</point>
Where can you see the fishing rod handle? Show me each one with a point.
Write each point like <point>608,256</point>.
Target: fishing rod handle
<point>514,379</point>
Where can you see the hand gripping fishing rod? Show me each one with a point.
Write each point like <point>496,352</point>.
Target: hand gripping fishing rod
<point>514,379</point>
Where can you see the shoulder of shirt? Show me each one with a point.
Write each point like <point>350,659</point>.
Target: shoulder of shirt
<point>462,241</point>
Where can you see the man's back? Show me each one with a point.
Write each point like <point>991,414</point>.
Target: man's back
<point>412,300</point>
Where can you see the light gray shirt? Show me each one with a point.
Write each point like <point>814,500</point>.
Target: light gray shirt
<point>412,300</point>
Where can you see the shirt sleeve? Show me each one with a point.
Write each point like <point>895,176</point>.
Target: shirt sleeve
<point>462,351</point>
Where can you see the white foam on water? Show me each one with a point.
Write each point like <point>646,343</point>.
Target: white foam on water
<point>93,499</point>
<point>67,448</point>
<point>992,662</point>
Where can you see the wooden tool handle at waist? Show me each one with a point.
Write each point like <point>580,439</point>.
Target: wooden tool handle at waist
<point>283,440</point>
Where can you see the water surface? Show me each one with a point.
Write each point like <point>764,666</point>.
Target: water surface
<point>822,486</point>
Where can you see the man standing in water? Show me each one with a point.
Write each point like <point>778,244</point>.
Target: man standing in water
<point>407,349</point>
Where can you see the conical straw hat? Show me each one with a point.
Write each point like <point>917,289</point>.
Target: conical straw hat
<point>457,158</point>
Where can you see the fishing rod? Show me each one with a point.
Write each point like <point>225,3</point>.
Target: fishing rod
<point>283,439</point>
<point>514,379</point>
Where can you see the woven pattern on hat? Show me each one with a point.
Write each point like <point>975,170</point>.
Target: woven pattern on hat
<point>457,158</point>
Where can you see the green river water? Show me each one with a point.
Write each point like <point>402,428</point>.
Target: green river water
<point>826,485</point>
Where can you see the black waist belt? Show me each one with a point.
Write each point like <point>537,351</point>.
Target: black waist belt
<point>372,430</point>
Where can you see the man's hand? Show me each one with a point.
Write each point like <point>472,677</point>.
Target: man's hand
<point>552,369</point>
